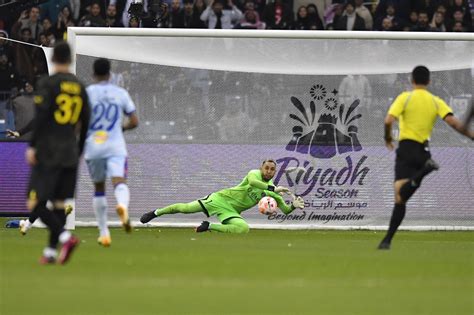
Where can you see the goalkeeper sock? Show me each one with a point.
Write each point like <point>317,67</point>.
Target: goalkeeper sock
<point>100,208</point>
<point>122,194</point>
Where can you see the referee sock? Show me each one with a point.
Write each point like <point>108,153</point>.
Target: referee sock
<point>397,218</point>
<point>122,194</point>
<point>99,204</point>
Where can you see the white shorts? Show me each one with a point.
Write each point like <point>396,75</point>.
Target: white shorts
<point>114,166</point>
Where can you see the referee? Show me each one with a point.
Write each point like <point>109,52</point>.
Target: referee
<point>59,131</point>
<point>416,112</point>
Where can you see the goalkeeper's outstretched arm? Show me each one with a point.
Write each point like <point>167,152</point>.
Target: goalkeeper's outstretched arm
<point>255,182</point>
<point>297,202</point>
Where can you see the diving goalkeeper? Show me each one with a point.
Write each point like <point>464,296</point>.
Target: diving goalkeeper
<point>228,204</point>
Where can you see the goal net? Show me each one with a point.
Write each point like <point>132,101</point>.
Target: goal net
<point>214,105</point>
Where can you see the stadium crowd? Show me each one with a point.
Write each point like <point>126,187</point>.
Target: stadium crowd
<point>21,65</point>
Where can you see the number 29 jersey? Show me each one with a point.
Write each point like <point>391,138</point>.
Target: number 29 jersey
<point>61,105</point>
<point>108,103</point>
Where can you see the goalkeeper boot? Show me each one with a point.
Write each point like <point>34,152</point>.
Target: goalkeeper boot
<point>122,211</point>
<point>147,217</point>
<point>105,240</point>
<point>203,227</point>
<point>24,226</point>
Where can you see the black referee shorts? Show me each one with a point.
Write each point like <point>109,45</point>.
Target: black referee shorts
<point>411,157</point>
<point>52,183</point>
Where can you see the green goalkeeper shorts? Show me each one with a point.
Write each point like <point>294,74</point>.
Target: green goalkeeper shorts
<point>218,206</point>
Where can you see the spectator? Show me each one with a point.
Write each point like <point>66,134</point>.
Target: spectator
<point>332,15</point>
<point>350,21</point>
<point>412,20</point>
<point>43,40</point>
<point>23,108</point>
<point>257,5</point>
<point>278,15</point>
<point>51,9</point>
<point>175,18</point>
<point>236,123</point>
<point>28,19</point>
<point>218,18</point>
<point>75,6</point>
<point>5,48</point>
<point>51,38</point>
<point>8,78</point>
<point>386,25</point>
<point>64,17</point>
<point>198,8</point>
<point>390,14</point>
<point>458,27</point>
<point>458,16</point>
<point>422,25</point>
<point>463,6</point>
<point>437,24</point>
<point>93,19</point>
<point>301,22</point>
<point>364,13</point>
<point>126,18</point>
<point>112,18</point>
<point>426,5</point>
<point>402,7</point>
<point>134,22</point>
<point>314,21</point>
<point>251,20</point>
<point>47,26</point>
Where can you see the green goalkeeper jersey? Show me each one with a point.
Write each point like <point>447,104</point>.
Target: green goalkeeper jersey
<point>249,192</point>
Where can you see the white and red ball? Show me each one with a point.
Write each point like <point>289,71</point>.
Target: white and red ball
<point>267,205</point>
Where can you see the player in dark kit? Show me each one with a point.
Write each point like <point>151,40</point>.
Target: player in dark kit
<point>62,112</point>
<point>416,112</point>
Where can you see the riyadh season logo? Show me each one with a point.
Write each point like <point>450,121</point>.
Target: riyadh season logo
<point>334,132</point>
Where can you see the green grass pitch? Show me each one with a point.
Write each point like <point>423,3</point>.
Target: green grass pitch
<point>176,271</point>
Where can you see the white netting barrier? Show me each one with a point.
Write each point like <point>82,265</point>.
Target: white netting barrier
<point>213,105</point>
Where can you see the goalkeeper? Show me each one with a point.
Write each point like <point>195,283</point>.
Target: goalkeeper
<point>228,204</point>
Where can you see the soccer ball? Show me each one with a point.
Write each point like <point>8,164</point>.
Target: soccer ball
<point>267,205</point>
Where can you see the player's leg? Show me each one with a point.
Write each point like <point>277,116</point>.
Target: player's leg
<point>41,189</point>
<point>66,185</point>
<point>97,172</point>
<point>99,203</point>
<point>231,225</point>
<point>25,225</point>
<point>190,207</point>
<point>117,170</point>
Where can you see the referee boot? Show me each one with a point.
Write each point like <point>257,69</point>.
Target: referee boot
<point>147,217</point>
<point>384,245</point>
<point>122,212</point>
<point>203,227</point>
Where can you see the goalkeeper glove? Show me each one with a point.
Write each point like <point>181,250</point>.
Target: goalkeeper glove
<point>281,189</point>
<point>298,202</point>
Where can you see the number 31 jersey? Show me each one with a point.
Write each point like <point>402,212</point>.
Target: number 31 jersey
<point>108,103</point>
